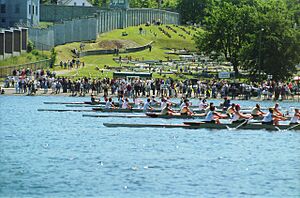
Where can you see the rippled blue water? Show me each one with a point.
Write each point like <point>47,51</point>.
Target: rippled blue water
<point>66,155</point>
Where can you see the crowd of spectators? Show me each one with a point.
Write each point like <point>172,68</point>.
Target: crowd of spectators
<point>28,82</point>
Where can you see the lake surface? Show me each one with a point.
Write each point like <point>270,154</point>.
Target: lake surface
<point>49,154</point>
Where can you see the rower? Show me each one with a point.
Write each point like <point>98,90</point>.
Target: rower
<point>208,108</point>
<point>212,116</point>
<point>93,99</point>
<point>276,110</point>
<point>231,110</point>
<point>110,104</point>
<point>256,111</point>
<point>271,119</point>
<point>147,107</point>
<point>295,119</point>
<point>167,110</point>
<point>203,104</point>
<point>163,103</point>
<point>126,105</point>
<point>185,110</point>
<point>239,117</point>
<point>153,101</point>
<point>226,103</point>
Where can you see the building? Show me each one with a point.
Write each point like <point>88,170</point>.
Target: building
<point>19,13</point>
<point>74,3</point>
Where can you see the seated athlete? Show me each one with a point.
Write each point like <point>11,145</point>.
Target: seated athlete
<point>185,110</point>
<point>226,103</point>
<point>147,107</point>
<point>126,105</point>
<point>110,104</point>
<point>271,119</point>
<point>239,117</point>
<point>167,110</point>
<point>256,111</point>
<point>295,119</point>
<point>276,110</point>
<point>93,99</point>
<point>203,104</point>
<point>231,110</point>
<point>213,117</point>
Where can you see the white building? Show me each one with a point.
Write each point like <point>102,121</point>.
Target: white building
<point>19,12</point>
<point>74,3</point>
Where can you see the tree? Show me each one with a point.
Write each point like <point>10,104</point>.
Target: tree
<point>228,29</point>
<point>275,46</point>
<point>192,10</point>
<point>53,57</point>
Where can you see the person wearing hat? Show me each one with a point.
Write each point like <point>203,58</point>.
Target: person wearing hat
<point>239,117</point>
<point>296,117</point>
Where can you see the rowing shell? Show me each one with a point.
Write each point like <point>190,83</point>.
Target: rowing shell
<point>202,125</point>
<point>133,110</point>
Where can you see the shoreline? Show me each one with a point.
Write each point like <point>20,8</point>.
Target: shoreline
<point>40,92</point>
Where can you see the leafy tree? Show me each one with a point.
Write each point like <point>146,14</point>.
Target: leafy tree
<point>275,46</point>
<point>53,57</point>
<point>228,29</point>
<point>192,10</point>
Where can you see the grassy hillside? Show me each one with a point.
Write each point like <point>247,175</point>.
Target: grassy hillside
<point>34,56</point>
<point>162,44</point>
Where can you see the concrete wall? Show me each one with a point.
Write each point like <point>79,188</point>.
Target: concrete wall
<point>11,42</point>
<point>87,28</point>
<point>54,13</point>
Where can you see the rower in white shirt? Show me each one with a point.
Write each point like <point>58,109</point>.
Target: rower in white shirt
<point>109,104</point>
<point>272,119</point>
<point>126,105</point>
<point>295,119</point>
<point>203,104</point>
<point>239,117</point>
<point>147,107</point>
<point>163,103</point>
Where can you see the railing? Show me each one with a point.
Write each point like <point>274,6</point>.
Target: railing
<point>7,70</point>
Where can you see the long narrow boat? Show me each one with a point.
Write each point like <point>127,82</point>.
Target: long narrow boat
<point>114,116</point>
<point>66,110</point>
<point>133,110</point>
<point>202,125</point>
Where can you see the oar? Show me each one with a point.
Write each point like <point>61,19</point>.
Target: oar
<point>242,124</point>
<point>292,127</point>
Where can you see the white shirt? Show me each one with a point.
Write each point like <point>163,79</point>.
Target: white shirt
<point>107,105</point>
<point>125,105</point>
<point>294,120</point>
<point>163,105</point>
<point>268,117</point>
<point>209,117</point>
<point>202,105</point>
<point>235,117</point>
<point>146,106</point>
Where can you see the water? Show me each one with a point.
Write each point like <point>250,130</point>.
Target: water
<point>66,155</point>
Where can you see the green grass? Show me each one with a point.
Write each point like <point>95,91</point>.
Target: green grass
<point>161,45</point>
<point>33,56</point>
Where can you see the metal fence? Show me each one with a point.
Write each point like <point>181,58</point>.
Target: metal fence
<point>7,70</point>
